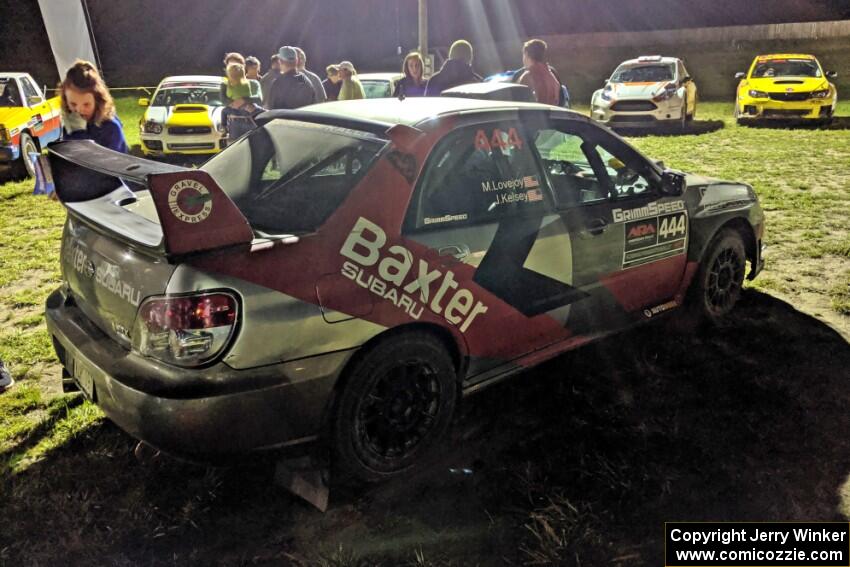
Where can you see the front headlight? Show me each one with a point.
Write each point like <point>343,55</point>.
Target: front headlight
<point>606,94</point>
<point>669,91</point>
<point>757,94</point>
<point>820,94</point>
<point>152,127</point>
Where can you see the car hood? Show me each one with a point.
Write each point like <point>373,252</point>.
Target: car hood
<point>637,90</point>
<point>787,84</point>
<point>717,195</point>
<point>185,115</point>
<point>14,117</point>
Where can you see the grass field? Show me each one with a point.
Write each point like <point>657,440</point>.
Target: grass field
<point>637,446</point>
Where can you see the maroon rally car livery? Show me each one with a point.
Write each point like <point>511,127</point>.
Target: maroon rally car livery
<point>349,272</point>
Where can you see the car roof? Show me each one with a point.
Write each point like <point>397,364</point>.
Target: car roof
<point>649,60</point>
<point>383,113</point>
<point>785,56</point>
<point>379,76</point>
<point>200,79</point>
<point>484,88</point>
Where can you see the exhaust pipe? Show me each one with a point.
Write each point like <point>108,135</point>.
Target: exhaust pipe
<point>146,454</point>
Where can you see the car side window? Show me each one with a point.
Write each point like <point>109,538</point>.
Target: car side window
<point>568,165</point>
<point>624,177</point>
<point>29,90</point>
<point>480,173</point>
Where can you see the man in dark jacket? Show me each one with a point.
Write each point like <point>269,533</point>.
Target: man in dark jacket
<point>291,89</point>
<point>457,70</point>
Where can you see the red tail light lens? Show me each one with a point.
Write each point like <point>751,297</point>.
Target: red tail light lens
<point>186,331</point>
<point>189,313</point>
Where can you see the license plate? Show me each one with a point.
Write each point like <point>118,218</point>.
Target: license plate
<point>84,379</point>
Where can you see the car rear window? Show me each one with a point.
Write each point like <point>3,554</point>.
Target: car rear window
<point>288,177</point>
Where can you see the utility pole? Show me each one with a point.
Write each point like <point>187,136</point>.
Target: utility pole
<point>423,37</point>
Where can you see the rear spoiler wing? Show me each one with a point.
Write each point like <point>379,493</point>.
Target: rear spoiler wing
<point>195,214</point>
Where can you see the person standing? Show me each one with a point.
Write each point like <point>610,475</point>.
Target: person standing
<point>457,70</point>
<point>351,88</point>
<point>538,75</point>
<point>88,112</point>
<point>413,83</point>
<point>333,83</point>
<point>267,80</point>
<point>252,68</point>
<point>314,79</point>
<point>291,89</point>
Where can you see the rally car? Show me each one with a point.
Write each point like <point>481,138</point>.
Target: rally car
<point>785,86</point>
<point>344,273</point>
<point>183,117</point>
<point>28,121</point>
<point>647,91</point>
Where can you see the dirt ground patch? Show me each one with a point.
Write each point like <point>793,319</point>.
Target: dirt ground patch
<point>577,462</point>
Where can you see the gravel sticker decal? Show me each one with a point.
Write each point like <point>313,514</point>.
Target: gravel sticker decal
<point>190,201</point>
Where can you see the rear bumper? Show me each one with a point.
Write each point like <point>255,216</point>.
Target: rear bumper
<point>194,413</point>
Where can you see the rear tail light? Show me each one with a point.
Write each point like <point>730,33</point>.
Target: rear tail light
<point>185,330</point>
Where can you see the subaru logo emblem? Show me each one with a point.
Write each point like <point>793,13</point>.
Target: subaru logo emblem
<point>90,269</point>
<point>789,90</point>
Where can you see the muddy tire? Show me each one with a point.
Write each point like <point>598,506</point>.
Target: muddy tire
<point>23,167</point>
<point>396,404</point>
<point>717,285</point>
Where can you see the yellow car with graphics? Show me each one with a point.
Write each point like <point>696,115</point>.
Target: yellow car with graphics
<point>785,86</point>
<point>184,117</point>
<point>28,122</point>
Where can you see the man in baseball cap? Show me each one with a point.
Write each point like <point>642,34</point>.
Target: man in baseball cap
<point>291,89</point>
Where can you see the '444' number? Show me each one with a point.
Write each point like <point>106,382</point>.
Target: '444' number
<point>673,226</point>
<point>498,139</point>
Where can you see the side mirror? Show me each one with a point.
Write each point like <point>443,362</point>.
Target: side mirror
<point>144,102</point>
<point>740,76</point>
<point>33,100</point>
<point>672,182</point>
<point>831,74</point>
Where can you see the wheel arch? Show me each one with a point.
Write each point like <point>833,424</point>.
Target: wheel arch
<point>454,343</point>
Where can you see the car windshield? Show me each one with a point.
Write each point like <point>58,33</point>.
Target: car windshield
<point>643,74</point>
<point>9,94</point>
<point>786,68</point>
<point>376,88</point>
<point>288,177</point>
<point>169,96</point>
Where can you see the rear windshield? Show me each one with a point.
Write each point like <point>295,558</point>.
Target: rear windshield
<point>643,74</point>
<point>786,68</point>
<point>288,177</point>
<point>188,95</point>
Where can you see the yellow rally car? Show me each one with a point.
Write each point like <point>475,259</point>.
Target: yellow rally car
<point>785,86</point>
<point>184,117</point>
<point>28,121</point>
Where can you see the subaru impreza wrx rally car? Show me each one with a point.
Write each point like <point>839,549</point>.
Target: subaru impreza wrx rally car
<point>785,86</point>
<point>183,117</point>
<point>347,272</point>
<point>647,91</point>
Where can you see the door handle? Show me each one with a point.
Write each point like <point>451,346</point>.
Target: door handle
<point>456,251</point>
<point>596,227</point>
